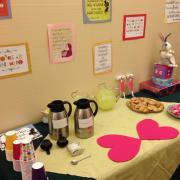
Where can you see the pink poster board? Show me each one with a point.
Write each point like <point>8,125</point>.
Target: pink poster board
<point>61,42</point>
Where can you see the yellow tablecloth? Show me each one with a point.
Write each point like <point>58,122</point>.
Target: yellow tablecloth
<point>156,160</point>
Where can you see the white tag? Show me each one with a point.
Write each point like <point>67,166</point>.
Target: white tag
<point>59,123</point>
<point>85,123</point>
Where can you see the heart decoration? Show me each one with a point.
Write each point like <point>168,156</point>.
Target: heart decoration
<point>149,129</point>
<point>123,148</point>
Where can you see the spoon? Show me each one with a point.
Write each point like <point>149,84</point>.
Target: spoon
<point>75,162</point>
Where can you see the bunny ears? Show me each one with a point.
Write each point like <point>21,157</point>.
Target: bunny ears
<point>164,39</point>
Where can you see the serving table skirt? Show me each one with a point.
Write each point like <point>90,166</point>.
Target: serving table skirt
<point>155,160</point>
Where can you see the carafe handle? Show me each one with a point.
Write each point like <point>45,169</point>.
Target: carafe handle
<point>96,107</point>
<point>70,107</point>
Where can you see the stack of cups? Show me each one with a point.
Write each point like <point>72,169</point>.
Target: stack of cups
<point>38,171</point>
<point>10,137</point>
<point>16,155</point>
<point>27,159</point>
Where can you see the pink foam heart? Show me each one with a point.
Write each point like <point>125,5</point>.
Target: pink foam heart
<point>123,148</point>
<point>148,129</point>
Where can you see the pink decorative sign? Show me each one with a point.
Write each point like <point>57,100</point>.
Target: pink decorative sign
<point>149,129</point>
<point>61,42</point>
<point>123,148</point>
<point>134,26</point>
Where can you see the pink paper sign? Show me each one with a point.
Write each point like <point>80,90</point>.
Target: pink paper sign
<point>61,42</point>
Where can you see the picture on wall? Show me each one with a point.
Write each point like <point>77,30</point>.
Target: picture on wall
<point>61,42</point>
<point>102,57</point>
<point>172,11</point>
<point>134,26</point>
<point>98,11</point>
<point>14,60</point>
<point>5,9</point>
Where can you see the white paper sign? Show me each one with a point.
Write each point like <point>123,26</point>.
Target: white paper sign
<point>14,60</point>
<point>134,26</point>
<point>102,57</point>
<point>172,11</point>
<point>85,123</point>
<point>57,124</point>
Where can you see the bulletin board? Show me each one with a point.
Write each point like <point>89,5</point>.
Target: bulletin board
<point>49,81</point>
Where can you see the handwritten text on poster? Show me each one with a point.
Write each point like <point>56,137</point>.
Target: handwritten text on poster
<point>14,60</point>
<point>172,11</point>
<point>97,11</point>
<point>61,42</point>
<point>102,57</point>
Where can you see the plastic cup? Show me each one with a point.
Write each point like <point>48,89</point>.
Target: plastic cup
<point>9,155</point>
<point>27,150</point>
<point>16,155</point>
<point>26,169</point>
<point>10,137</point>
<point>38,171</point>
<point>16,165</point>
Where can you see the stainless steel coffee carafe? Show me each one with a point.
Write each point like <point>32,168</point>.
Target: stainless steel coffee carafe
<point>84,118</point>
<point>58,119</point>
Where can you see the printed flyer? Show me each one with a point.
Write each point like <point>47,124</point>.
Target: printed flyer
<point>28,131</point>
<point>97,11</point>
<point>172,11</point>
<point>134,26</point>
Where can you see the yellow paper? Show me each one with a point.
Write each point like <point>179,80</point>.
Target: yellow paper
<point>97,10</point>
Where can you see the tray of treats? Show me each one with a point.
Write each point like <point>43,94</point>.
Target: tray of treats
<point>145,105</point>
<point>174,110</point>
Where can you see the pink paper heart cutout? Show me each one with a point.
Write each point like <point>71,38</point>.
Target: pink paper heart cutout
<point>123,148</point>
<point>148,129</point>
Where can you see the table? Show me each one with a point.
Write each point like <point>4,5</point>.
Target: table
<point>6,169</point>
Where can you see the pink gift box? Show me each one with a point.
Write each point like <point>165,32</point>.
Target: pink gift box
<point>162,71</point>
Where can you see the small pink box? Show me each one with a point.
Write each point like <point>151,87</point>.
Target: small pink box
<point>162,71</point>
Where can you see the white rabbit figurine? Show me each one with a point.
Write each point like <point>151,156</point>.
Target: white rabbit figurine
<point>166,53</point>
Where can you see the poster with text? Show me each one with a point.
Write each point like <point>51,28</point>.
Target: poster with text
<point>102,54</point>
<point>97,11</point>
<point>61,42</point>
<point>14,60</point>
<point>172,11</point>
<point>134,26</point>
<point>5,9</point>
